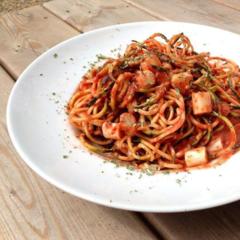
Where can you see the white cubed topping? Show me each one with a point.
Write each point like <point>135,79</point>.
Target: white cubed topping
<point>215,145</point>
<point>196,156</point>
<point>201,102</point>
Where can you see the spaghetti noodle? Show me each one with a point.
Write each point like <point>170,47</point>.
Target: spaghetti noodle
<point>160,104</point>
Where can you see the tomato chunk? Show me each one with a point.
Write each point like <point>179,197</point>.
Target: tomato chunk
<point>149,62</point>
<point>145,79</point>
<point>224,109</point>
<point>181,81</point>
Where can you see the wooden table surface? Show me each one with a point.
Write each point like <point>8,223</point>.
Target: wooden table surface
<point>30,208</point>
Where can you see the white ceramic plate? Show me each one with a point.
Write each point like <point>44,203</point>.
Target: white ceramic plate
<point>39,131</point>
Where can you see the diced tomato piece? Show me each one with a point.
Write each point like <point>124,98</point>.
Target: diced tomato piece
<point>111,130</point>
<point>145,79</point>
<point>224,109</point>
<point>162,77</point>
<point>196,156</point>
<point>181,81</point>
<point>149,62</point>
<point>202,103</point>
<point>234,120</point>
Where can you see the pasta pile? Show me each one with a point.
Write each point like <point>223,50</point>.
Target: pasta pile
<point>160,104</point>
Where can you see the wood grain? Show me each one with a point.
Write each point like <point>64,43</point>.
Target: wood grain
<point>25,34</point>
<point>33,209</point>
<point>206,12</point>
<point>212,224</point>
<point>85,15</point>
<point>235,4</point>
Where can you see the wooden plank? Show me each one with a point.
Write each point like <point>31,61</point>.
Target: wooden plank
<point>26,34</point>
<point>235,4</point>
<point>212,224</point>
<point>12,5</point>
<point>203,12</point>
<point>85,15</point>
<point>33,209</point>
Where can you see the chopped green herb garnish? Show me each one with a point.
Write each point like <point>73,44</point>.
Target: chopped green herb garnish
<point>92,101</point>
<point>101,57</point>
<point>136,139</point>
<point>166,172</point>
<point>124,65</point>
<point>55,55</point>
<point>180,35</point>
<point>159,68</point>
<point>178,91</point>
<point>129,173</point>
<point>230,84</point>
<point>117,165</point>
<point>131,168</point>
<point>65,156</point>
<point>148,172</point>
<point>141,45</point>
<point>178,181</point>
